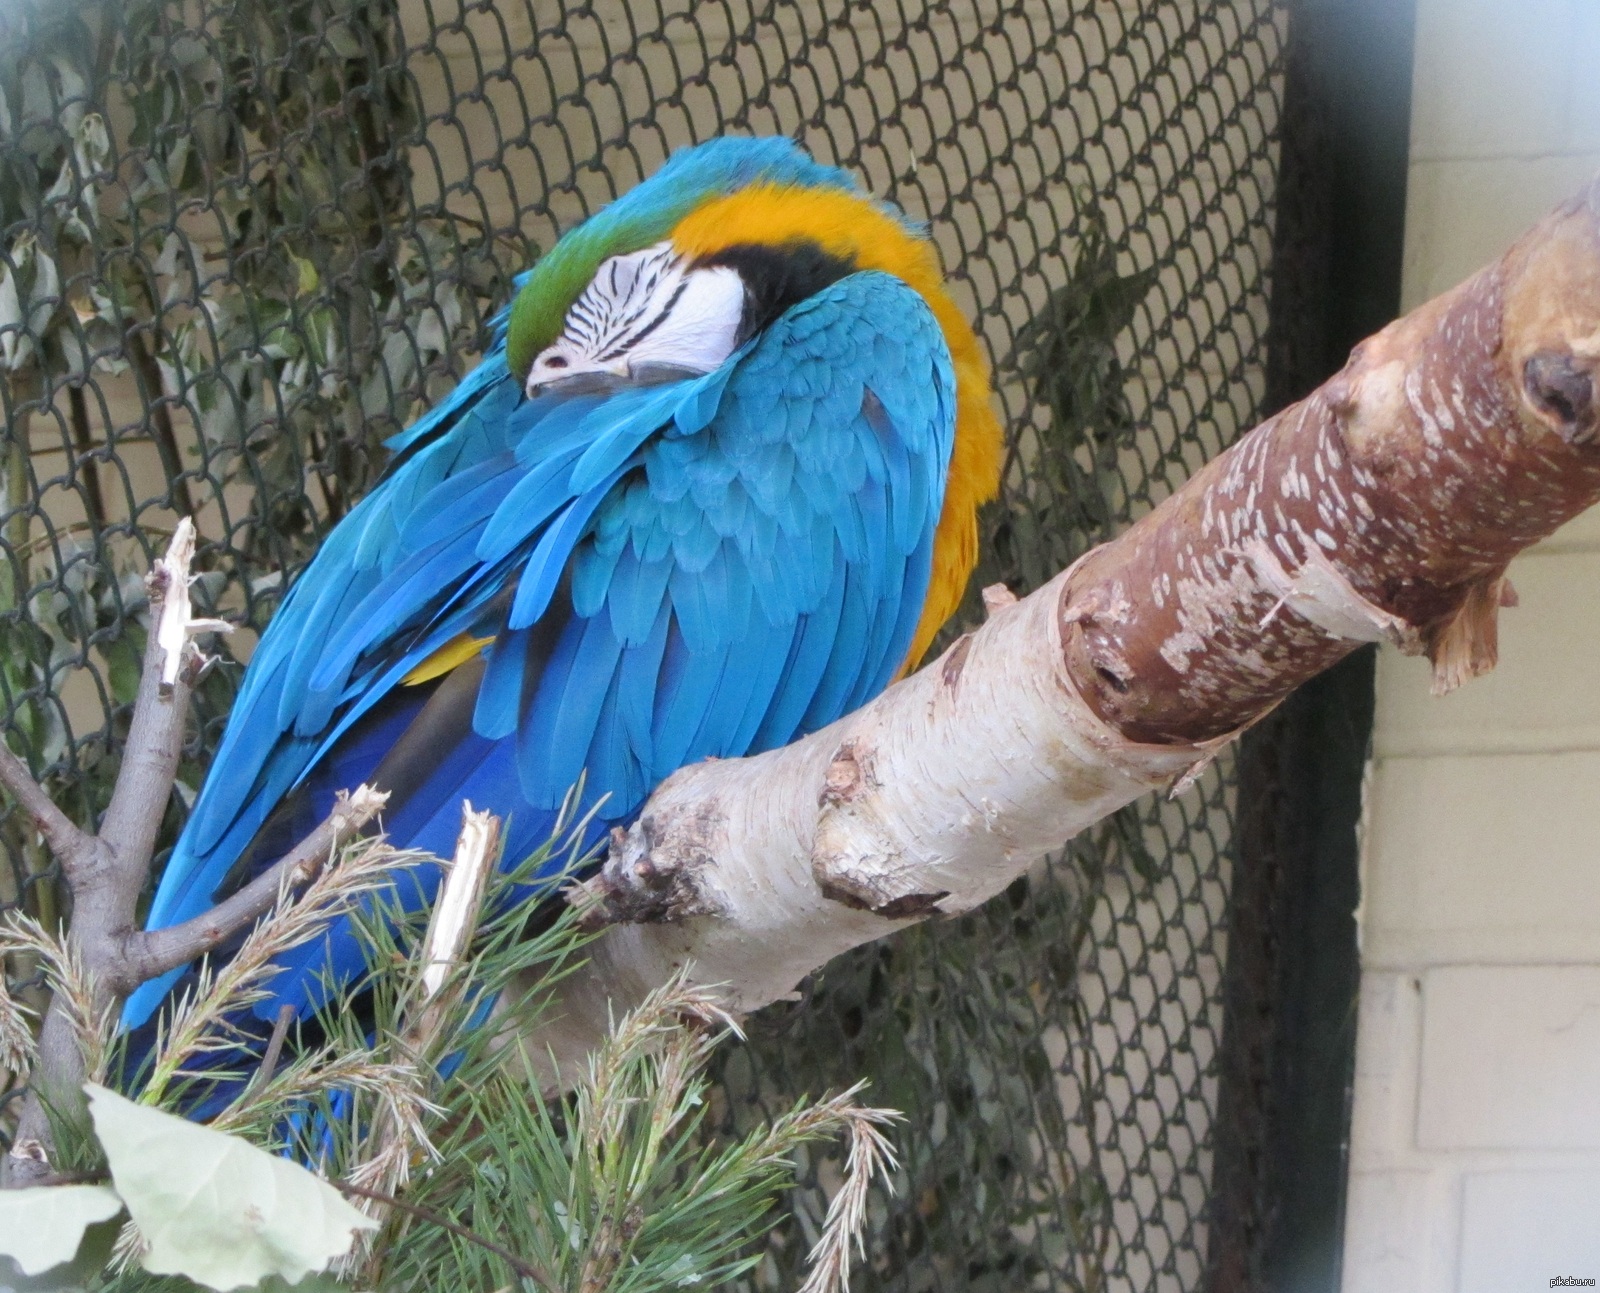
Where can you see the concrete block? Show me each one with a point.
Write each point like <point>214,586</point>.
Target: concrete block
<point>1520,1230</point>
<point>1386,1232</point>
<point>1509,1057</point>
<point>1475,92</point>
<point>1542,695</point>
<point>1481,858</point>
<point>1388,1041</point>
<point>1461,214</point>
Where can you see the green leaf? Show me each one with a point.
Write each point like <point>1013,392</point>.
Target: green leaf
<point>306,279</point>
<point>42,1227</point>
<point>214,1207</point>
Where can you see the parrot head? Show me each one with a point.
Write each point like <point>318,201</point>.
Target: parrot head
<point>647,316</point>
<point>620,262</point>
<point>674,277</point>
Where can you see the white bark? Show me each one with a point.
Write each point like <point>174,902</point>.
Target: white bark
<point>752,873</point>
<point>1385,506</point>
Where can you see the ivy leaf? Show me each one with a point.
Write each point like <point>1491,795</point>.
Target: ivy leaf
<point>306,279</point>
<point>213,1207</point>
<point>25,311</point>
<point>42,1227</point>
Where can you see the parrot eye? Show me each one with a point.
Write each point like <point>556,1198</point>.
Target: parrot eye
<point>553,367</point>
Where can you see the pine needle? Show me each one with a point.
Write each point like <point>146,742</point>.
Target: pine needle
<point>844,1228</point>
<point>128,1251</point>
<point>198,1025</point>
<point>17,1047</point>
<point>68,981</point>
<point>413,1104</point>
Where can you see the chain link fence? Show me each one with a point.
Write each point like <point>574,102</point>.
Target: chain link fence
<point>242,242</point>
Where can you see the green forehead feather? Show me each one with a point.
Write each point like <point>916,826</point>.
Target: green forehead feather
<point>646,215</point>
<point>559,277</point>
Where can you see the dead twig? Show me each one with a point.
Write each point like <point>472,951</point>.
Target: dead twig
<point>147,954</point>
<point>269,1060</point>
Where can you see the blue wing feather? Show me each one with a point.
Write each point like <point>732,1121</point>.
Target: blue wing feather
<point>500,693</point>
<point>745,557</point>
<point>559,719</point>
<point>548,562</point>
<point>638,684</point>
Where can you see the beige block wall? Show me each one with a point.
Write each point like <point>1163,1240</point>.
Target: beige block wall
<point>1475,1149</point>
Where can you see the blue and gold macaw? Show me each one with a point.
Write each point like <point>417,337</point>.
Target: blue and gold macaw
<point>714,485</point>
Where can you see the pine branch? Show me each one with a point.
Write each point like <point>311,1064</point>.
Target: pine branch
<point>526,1269</point>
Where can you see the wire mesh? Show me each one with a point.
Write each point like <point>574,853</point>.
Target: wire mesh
<point>242,242</point>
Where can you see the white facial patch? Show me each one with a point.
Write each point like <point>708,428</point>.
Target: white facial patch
<point>645,311</point>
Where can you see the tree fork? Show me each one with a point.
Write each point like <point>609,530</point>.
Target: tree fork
<point>1385,506</point>
<point>106,871</point>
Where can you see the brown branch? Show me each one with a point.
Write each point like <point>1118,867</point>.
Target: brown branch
<point>1385,506</point>
<point>61,833</point>
<point>155,735</point>
<point>274,1051</point>
<point>106,872</point>
<point>147,954</point>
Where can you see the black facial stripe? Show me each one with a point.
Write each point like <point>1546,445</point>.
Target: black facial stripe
<point>627,343</point>
<point>581,321</point>
<point>637,312</point>
<point>605,314</point>
<point>776,278</point>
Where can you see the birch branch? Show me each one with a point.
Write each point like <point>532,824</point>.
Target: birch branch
<point>1384,507</point>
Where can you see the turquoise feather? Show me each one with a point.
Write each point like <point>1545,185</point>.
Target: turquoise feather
<point>707,567</point>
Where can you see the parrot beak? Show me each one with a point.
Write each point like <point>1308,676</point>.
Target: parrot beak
<point>599,379</point>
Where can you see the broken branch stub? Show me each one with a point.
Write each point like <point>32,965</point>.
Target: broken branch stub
<point>175,623</point>
<point>1385,506</point>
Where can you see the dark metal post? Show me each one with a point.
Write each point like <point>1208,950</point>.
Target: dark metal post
<point>1288,1051</point>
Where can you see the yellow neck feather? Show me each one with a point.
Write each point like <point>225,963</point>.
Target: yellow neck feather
<point>853,228</point>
